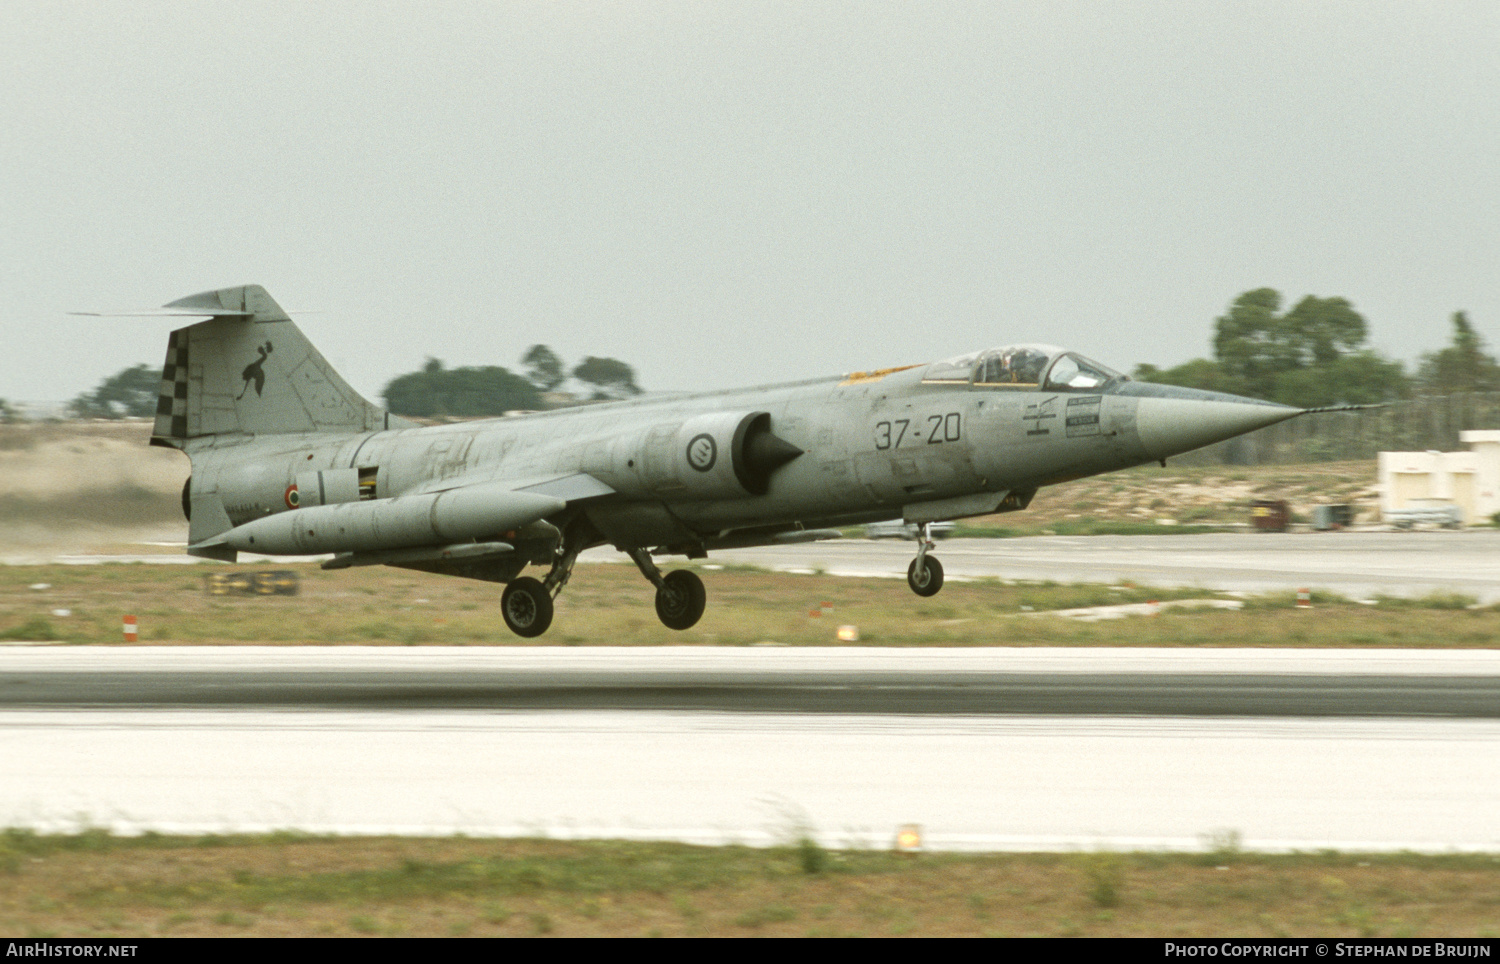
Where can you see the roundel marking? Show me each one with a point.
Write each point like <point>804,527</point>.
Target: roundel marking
<point>291,497</point>
<point>702,452</point>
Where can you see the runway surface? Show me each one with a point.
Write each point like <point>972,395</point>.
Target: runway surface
<point>428,741</point>
<point>1062,681</point>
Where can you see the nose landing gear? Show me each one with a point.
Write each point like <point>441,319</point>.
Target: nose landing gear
<point>681,600</point>
<point>925,574</point>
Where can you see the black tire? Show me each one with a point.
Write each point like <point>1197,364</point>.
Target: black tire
<point>929,580</point>
<point>680,605</point>
<point>527,607</point>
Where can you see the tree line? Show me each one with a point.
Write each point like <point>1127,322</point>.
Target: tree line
<point>1313,354</point>
<point>433,391</point>
<point>438,392</point>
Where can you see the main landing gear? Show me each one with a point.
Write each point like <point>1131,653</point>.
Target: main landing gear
<point>526,603</point>
<point>680,596</point>
<point>527,607</point>
<point>925,574</point>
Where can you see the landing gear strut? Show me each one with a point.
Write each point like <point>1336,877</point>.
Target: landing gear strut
<point>567,555</point>
<point>526,603</point>
<point>925,574</point>
<point>680,596</point>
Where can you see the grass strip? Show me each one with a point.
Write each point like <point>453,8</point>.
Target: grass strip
<point>96,884</point>
<point>611,604</point>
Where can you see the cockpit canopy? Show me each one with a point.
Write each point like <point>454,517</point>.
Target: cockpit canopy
<point>1047,367</point>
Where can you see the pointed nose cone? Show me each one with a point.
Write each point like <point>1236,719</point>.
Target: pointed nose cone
<point>1179,420</point>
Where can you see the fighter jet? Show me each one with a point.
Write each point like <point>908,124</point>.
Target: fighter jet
<point>288,460</point>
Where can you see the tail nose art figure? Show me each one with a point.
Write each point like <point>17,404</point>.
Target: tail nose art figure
<point>256,372</point>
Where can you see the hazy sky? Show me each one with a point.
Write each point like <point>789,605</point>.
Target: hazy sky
<point>734,193</point>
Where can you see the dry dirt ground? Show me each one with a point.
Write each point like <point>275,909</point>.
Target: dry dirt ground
<point>79,486</point>
<point>1197,495</point>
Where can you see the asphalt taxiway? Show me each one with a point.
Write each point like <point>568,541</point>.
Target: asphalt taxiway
<point>1358,564</point>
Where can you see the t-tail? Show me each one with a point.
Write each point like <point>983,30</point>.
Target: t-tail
<point>248,370</point>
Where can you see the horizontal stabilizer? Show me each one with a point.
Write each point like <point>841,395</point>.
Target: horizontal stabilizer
<point>164,313</point>
<point>251,301</point>
<point>247,302</point>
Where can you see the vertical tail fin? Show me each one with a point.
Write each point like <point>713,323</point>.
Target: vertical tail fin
<point>248,369</point>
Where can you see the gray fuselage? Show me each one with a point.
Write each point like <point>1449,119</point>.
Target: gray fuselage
<point>872,447</point>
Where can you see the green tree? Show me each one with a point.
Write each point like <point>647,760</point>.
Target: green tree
<point>1257,347</point>
<point>9,414</point>
<point>1246,343</point>
<point>1310,356</point>
<point>610,378</point>
<point>131,392</point>
<point>1320,331</point>
<point>1461,367</point>
<point>1358,378</point>
<point>1198,373</point>
<point>543,368</point>
<point>436,392</point>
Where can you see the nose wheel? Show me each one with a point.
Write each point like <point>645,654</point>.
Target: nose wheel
<point>925,574</point>
<point>681,600</point>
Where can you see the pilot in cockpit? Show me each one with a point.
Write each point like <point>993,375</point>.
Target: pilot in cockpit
<point>1019,365</point>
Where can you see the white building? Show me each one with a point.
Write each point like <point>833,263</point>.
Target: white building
<point>1470,479</point>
